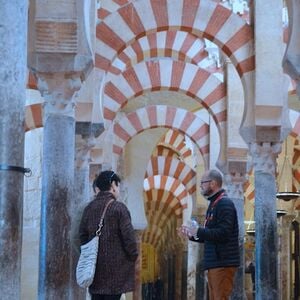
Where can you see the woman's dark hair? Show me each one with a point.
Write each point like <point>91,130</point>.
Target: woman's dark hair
<point>105,179</point>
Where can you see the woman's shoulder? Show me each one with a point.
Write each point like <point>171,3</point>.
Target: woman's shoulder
<point>120,205</point>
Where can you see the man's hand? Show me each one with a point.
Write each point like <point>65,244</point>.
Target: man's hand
<point>187,231</point>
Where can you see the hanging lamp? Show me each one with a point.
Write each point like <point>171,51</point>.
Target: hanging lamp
<point>285,179</point>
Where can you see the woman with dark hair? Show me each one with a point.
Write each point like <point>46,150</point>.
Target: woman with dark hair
<point>115,268</point>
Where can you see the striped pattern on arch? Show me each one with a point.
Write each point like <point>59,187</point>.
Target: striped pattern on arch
<point>165,74</point>
<point>33,116</point>
<point>160,205</point>
<point>152,236</point>
<point>168,183</point>
<point>205,19</point>
<point>295,133</point>
<point>180,45</point>
<point>172,141</point>
<point>161,116</point>
<point>175,168</point>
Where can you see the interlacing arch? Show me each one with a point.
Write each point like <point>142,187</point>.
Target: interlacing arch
<point>152,236</point>
<point>179,45</point>
<point>168,183</point>
<point>173,142</point>
<point>204,19</point>
<point>160,165</point>
<point>158,206</point>
<point>166,75</point>
<point>161,116</point>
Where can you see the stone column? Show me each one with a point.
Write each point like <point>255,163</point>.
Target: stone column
<point>13,32</point>
<point>264,160</point>
<point>57,184</point>
<point>193,259</point>
<point>285,257</point>
<point>201,285</point>
<point>234,186</point>
<point>85,141</point>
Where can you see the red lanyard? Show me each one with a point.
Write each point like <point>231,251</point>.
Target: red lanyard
<point>209,215</point>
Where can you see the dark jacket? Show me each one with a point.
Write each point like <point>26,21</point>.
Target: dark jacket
<point>221,234</point>
<point>115,270</point>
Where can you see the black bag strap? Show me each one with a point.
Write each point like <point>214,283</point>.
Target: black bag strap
<point>100,225</point>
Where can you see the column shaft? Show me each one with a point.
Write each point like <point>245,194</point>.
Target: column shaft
<point>234,186</point>
<point>265,237</point>
<point>81,197</point>
<point>13,32</point>
<point>238,292</point>
<point>57,192</point>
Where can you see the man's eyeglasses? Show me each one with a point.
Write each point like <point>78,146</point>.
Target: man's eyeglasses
<point>204,181</point>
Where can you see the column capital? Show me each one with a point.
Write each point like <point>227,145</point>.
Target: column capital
<point>58,90</point>
<point>235,185</point>
<point>85,133</point>
<point>264,156</point>
<point>83,146</point>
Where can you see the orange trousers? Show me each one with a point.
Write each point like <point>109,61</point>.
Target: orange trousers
<point>220,282</point>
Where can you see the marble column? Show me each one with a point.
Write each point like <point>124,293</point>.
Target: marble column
<point>193,259</point>
<point>234,187</point>
<point>201,284</point>
<point>13,32</point>
<point>266,273</point>
<point>85,141</point>
<point>57,184</point>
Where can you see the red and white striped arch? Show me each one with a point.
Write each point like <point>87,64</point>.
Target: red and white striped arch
<point>175,168</point>
<point>33,116</point>
<point>160,205</point>
<point>31,80</point>
<point>173,141</point>
<point>197,83</point>
<point>175,186</point>
<point>162,116</point>
<point>152,236</point>
<point>109,6</point>
<point>152,233</point>
<point>204,19</point>
<point>171,184</point>
<point>180,45</point>
<point>295,133</point>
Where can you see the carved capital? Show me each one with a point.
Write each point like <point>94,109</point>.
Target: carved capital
<point>235,185</point>
<point>58,90</point>
<point>264,156</point>
<point>83,149</point>
<point>86,132</point>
